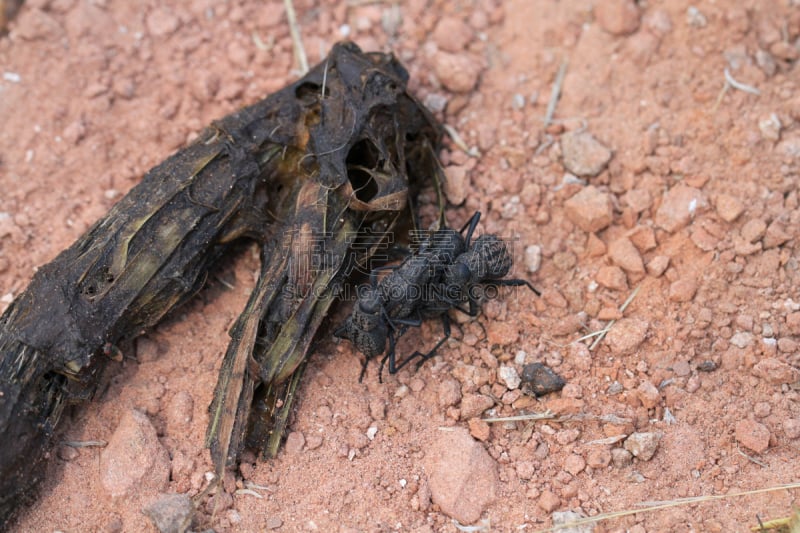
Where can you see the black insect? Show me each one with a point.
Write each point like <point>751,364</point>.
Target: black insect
<point>386,308</point>
<point>459,272</point>
<point>475,273</point>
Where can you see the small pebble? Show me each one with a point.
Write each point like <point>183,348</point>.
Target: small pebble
<point>509,376</point>
<point>574,464</point>
<point>621,457</point>
<point>682,368</point>
<point>753,230</point>
<point>791,427</point>
<point>776,234</point>
<point>643,445</point>
<point>457,72</point>
<point>134,460</point>
<point>682,290</point>
<point>473,405</point>
<point>583,154</point>
<point>617,17</point>
<point>539,380</point>
<point>729,207</point>
<point>171,513</point>
<point>624,254</point>
<point>776,371</point>
<point>693,384</point>
<point>449,392</point>
<point>766,62</point>
<point>479,429</point>
<point>313,442</point>
<point>502,333</point>
<point>752,435</point>
<point>533,258</point>
<point>273,522</point>
<point>590,209</point>
<point>648,394</point>
<point>707,366</point>
<point>793,323</point>
<point>67,453</point>
<point>180,410</point>
<point>452,34</point>
<point>762,409</point>
<point>626,335</point>
<point>643,238</point>
<point>456,464</point>
<point>436,102</point>
<point>162,22</point>
<point>598,457</point>
<point>12,77</point>
<point>525,470</point>
<point>295,441</point>
<point>658,265</point>
<point>770,127</point>
<point>680,205</point>
<point>455,185</point>
<point>75,132</point>
<point>549,501</point>
<point>695,18</point>
<point>612,277</point>
<point>742,339</point>
<point>567,436</point>
<point>638,199</point>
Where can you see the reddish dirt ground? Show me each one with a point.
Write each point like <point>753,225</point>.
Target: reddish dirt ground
<point>697,208</point>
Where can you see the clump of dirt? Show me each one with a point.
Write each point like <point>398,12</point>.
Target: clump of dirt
<point>669,169</point>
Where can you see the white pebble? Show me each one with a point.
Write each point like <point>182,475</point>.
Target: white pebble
<point>509,376</point>
<point>695,18</point>
<point>742,339</point>
<point>770,127</point>
<point>533,258</point>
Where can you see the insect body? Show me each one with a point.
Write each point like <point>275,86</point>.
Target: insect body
<point>386,308</point>
<point>442,275</point>
<point>483,265</point>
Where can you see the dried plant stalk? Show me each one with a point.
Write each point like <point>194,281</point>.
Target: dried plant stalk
<point>317,162</point>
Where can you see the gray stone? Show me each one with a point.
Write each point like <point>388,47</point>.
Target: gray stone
<point>134,460</point>
<point>583,154</point>
<point>171,513</point>
<point>462,477</point>
<point>643,446</point>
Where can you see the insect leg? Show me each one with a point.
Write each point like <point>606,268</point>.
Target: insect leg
<point>515,283</point>
<point>363,369</point>
<point>431,353</point>
<point>472,223</point>
<point>406,322</point>
<point>425,357</point>
<point>341,332</point>
<point>390,356</point>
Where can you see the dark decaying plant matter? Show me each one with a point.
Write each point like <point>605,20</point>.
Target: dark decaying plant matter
<point>318,173</point>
